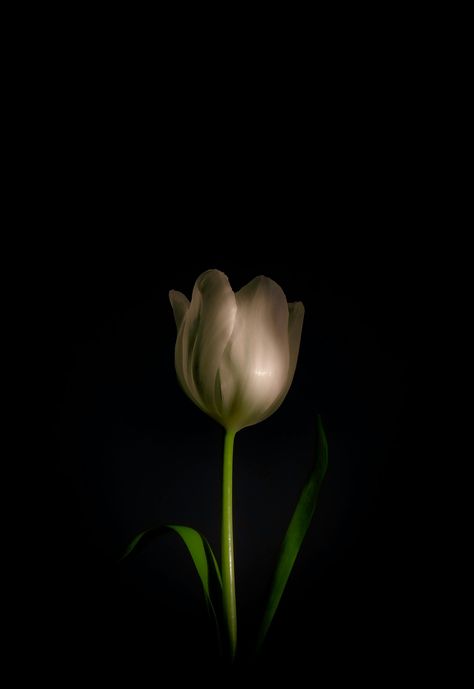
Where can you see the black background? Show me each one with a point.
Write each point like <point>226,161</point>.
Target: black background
<point>140,193</point>
<point>128,450</point>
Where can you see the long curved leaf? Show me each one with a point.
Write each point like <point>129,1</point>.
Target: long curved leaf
<point>201,554</point>
<point>296,532</point>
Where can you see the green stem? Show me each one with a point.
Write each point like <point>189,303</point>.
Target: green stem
<point>227,545</point>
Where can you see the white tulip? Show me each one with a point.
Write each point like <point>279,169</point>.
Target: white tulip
<point>236,353</point>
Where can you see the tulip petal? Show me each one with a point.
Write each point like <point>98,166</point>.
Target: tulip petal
<point>217,312</point>
<point>180,305</point>
<point>295,325</point>
<point>255,365</point>
<point>184,347</point>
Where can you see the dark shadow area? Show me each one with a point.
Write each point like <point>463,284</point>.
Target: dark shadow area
<point>128,450</point>
<point>138,199</point>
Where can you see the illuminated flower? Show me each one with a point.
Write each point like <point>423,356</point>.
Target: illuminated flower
<point>236,353</point>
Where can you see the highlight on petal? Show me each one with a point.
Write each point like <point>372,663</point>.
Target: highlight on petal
<point>295,325</point>
<point>256,363</point>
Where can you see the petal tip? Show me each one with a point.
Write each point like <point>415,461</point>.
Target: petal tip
<point>296,308</point>
<point>180,304</point>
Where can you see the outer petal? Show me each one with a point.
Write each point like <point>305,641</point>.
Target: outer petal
<point>180,305</point>
<point>256,363</point>
<point>295,325</point>
<point>217,312</point>
<point>184,343</point>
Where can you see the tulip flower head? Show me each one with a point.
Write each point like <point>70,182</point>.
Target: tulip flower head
<point>236,353</point>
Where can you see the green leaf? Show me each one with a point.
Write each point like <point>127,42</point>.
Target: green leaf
<point>201,554</point>
<point>296,532</point>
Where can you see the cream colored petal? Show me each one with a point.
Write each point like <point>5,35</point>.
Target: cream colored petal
<point>295,326</point>
<point>180,305</point>
<point>190,327</point>
<point>181,367</point>
<point>256,362</point>
<point>184,345</point>
<point>215,325</point>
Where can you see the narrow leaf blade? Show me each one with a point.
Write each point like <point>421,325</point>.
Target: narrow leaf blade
<point>201,554</point>
<point>296,532</point>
